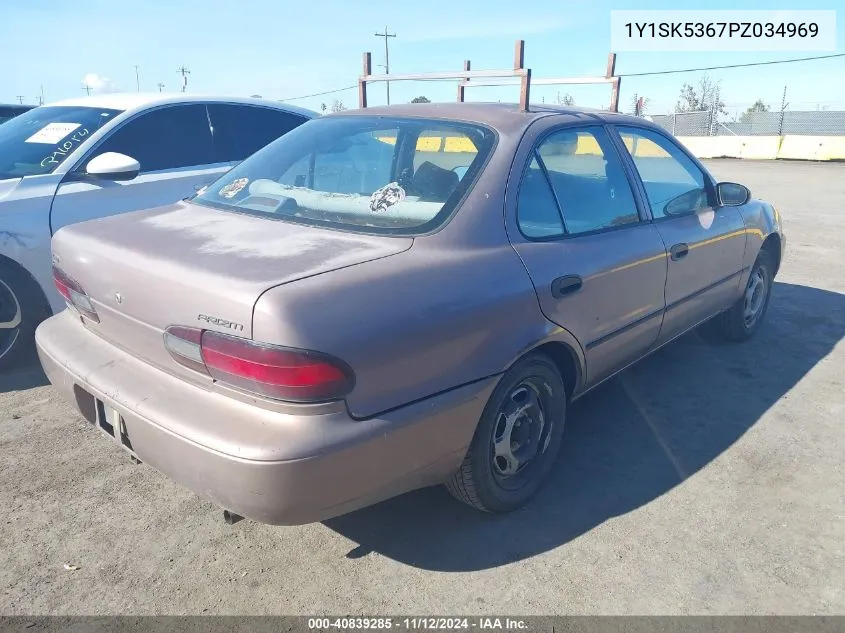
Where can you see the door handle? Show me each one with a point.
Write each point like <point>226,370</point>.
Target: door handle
<point>566,285</point>
<point>679,251</point>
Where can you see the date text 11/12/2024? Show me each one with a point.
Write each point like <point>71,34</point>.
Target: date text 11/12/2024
<point>417,624</point>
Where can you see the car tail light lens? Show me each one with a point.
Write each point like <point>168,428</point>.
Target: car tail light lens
<point>183,344</point>
<point>271,371</point>
<point>74,294</point>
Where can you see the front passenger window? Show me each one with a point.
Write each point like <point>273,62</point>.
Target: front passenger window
<point>673,183</point>
<point>165,138</point>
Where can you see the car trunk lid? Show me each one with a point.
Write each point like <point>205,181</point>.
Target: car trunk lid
<point>196,266</point>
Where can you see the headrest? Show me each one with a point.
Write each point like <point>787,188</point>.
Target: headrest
<point>434,183</point>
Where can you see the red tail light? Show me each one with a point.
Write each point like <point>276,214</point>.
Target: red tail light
<point>74,294</point>
<point>275,372</point>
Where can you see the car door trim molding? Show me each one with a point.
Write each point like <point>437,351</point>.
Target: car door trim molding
<point>701,291</point>
<point>625,328</point>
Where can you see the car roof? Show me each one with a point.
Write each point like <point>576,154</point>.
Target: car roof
<point>502,116</point>
<point>129,101</point>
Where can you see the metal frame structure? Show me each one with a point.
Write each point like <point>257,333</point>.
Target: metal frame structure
<point>469,77</point>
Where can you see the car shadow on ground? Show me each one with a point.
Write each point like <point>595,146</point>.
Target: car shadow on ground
<point>628,442</point>
<point>26,374</point>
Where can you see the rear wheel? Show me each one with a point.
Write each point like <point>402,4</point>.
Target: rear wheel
<point>517,439</point>
<point>21,310</point>
<point>746,316</point>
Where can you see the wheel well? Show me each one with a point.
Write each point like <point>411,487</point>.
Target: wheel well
<point>29,279</point>
<point>772,246</point>
<point>564,359</point>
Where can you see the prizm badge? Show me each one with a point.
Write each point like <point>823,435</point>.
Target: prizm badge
<point>231,325</point>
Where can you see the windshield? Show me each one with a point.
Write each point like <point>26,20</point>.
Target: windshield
<point>38,141</point>
<point>359,173</point>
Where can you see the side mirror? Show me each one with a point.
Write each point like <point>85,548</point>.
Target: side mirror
<point>113,166</point>
<point>732,194</point>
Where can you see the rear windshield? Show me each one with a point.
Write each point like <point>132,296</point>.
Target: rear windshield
<point>360,173</point>
<point>38,141</point>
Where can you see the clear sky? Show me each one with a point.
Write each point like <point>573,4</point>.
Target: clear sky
<point>282,49</point>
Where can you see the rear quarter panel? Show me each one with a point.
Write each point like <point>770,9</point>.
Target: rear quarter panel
<point>411,325</point>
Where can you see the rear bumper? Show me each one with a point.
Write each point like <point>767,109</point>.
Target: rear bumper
<point>276,468</point>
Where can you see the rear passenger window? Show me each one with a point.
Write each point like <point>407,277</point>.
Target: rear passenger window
<point>537,211</point>
<point>241,130</point>
<point>588,180</point>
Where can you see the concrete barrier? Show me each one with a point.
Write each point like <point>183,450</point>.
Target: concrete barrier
<point>812,147</point>
<point>759,147</point>
<point>767,147</point>
<point>713,146</point>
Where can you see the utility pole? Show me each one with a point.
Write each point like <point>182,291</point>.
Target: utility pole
<point>184,72</point>
<point>386,65</point>
<point>87,89</point>
<point>20,99</point>
<point>137,79</point>
<point>41,96</point>
<point>160,86</point>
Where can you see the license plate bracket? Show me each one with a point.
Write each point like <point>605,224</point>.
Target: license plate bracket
<point>111,422</point>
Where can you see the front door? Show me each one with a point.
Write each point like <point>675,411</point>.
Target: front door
<point>706,243</point>
<point>174,146</point>
<point>599,270</point>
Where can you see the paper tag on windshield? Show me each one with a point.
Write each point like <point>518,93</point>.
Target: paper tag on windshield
<point>52,133</point>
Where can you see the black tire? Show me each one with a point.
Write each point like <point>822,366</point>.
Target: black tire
<point>21,303</point>
<point>734,324</point>
<point>480,481</point>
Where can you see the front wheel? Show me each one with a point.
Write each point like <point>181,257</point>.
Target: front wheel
<point>746,316</point>
<point>20,312</point>
<point>517,439</point>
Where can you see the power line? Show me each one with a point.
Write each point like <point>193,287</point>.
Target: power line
<point>320,94</point>
<point>690,70</point>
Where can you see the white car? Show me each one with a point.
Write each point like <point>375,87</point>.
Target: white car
<point>95,156</point>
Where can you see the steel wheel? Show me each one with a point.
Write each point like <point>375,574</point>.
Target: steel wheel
<point>755,296</point>
<point>745,317</point>
<point>11,317</point>
<point>517,438</point>
<point>521,432</point>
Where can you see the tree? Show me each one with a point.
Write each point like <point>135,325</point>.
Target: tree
<point>758,106</point>
<point>323,108</point>
<point>565,100</point>
<point>421,99</point>
<point>337,106</point>
<point>704,97</point>
<point>638,108</point>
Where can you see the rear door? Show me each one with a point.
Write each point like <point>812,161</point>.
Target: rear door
<point>241,130</point>
<point>706,242</point>
<point>174,146</point>
<point>598,268</point>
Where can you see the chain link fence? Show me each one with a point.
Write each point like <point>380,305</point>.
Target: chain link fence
<point>744,123</point>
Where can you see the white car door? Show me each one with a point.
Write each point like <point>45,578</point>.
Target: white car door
<point>174,147</point>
